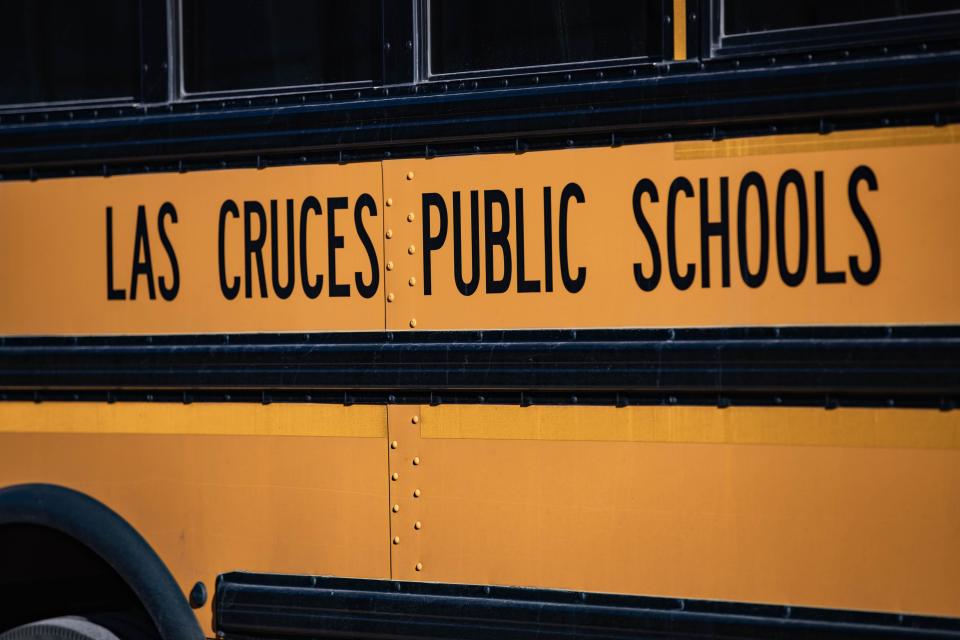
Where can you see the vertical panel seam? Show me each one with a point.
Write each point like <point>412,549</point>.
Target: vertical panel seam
<point>383,245</point>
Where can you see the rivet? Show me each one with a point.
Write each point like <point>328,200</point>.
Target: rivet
<point>389,233</point>
<point>412,281</point>
<point>415,419</point>
<point>411,217</point>
<point>413,322</point>
<point>390,297</point>
<point>416,461</point>
<point>416,493</point>
<point>417,525</point>
<point>419,566</point>
<point>411,249</point>
<point>396,508</point>
<point>389,265</point>
<point>410,175</point>
<point>396,539</point>
<point>389,202</point>
<point>394,444</point>
<point>395,476</point>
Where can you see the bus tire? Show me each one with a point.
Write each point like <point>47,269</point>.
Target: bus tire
<point>65,628</point>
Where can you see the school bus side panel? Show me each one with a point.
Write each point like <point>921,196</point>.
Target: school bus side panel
<point>850,508</point>
<point>855,228</point>
<point>278,250</point>
<point>281,488</point>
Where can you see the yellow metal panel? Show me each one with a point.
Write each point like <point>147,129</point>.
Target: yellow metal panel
<point>897,183</point>
<point>283,419</point>
<point>55,276</point>
<point>848,526</point>
<point>214,503</point>
<point>679,29</point>
<point>886,428</point>
<point>54,269</point>
<point>678,501</point>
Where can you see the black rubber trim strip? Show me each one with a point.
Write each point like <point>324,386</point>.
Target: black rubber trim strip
<point>661,101</point>
<point>96,526</point>
<point>249,605</point>
<point>872,365</point>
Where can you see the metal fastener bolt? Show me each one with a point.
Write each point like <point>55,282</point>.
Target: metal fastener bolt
<point>412,281</point>
<point>198,595</point>
<point>395,476</point>
<point>389,265</point>
<point>413,322</point>
<point>394,444</point>
<point>389,202</point>
<point>410,175</point>
<point>415,419</point>
<point>416,460</point>
<point>417,525</point>
<point>411,249</point>
<point>390,297</point>
<point>411,217</point>
<point>396,508</point>
<point>419,566</point>
<point>389,233</point>
<point>396,539</point>
<point>416,493</point>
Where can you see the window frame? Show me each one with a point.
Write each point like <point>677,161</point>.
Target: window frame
<point>878,32</point>
<point>427,76</point>
<point>394,23</point>
<point>153,70</point>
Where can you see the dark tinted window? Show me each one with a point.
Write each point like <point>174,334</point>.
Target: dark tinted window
<point>251,44</point>
<point>469,35</point>
<point>751,16</point>
<point>65,50</point>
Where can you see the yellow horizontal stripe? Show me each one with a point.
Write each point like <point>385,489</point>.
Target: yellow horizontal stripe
<point>885,428</point>
<point>801,143</point>
<point>208,418</point>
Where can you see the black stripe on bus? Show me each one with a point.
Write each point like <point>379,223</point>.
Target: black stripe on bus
<point>899,84</point>
<point>826,366</point>
<point>252,605</point>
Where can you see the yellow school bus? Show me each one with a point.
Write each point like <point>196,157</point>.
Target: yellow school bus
<point>435,319</point>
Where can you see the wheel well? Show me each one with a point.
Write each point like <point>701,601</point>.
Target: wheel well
<point>60,547</point>
<point>45,573</point>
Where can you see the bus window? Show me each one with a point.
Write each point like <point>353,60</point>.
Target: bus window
<point>236,45</point>
<point>68,51</point>
<point>750,16</point>
<point>477,35</point>
<point>757,26</point>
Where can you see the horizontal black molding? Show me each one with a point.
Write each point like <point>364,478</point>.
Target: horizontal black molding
<point>249,605</point>
<point>830,366</point>
<point>752,95</point>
